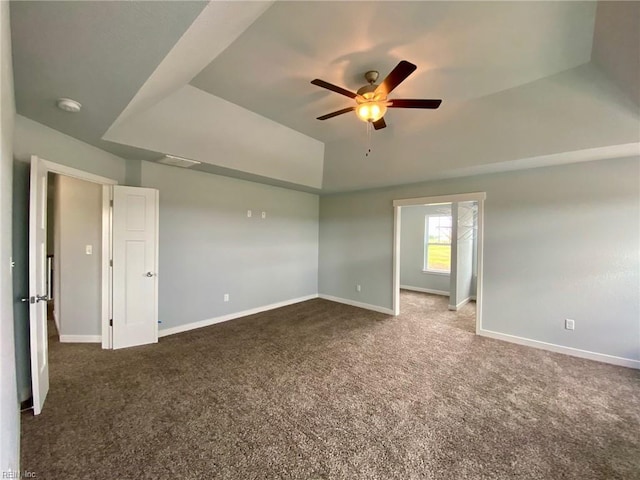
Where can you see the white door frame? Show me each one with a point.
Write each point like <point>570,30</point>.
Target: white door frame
<point>107,184</point>
<point>479,197</point>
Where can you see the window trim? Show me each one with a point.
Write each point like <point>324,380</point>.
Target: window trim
<point>426,244</point>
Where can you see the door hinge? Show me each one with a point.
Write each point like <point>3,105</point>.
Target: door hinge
<point>111,203</point>
<point>111,322</point>
<point>111,263</point>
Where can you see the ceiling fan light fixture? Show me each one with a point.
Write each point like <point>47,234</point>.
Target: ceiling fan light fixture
<point>371,111</point>
<point>371,106</point>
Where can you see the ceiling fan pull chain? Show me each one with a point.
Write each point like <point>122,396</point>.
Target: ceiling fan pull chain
<point>369,128</point>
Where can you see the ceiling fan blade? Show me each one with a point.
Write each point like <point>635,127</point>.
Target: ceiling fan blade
<point>333,88</point>
<point>413,103</point>
<point>335,114</point>
<point>396,77</point>
<point>380,124</point>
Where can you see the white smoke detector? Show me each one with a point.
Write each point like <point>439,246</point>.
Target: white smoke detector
<point>178,161</point>
<point>68,105</point>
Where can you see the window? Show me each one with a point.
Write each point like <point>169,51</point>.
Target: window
<point>437,243</point>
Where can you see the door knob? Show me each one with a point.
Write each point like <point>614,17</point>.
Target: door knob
<point>37,298</point>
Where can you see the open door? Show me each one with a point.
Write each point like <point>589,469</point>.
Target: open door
<point>38,283</point>
<point>135,266</point>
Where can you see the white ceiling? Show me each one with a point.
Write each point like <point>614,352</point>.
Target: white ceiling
<point>98,53</point>
<point>463,51</point>
<point>521,83</point>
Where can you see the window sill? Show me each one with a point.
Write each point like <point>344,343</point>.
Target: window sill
<point>435,272</point>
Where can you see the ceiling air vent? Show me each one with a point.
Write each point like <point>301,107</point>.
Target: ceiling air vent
<point>178,161</point>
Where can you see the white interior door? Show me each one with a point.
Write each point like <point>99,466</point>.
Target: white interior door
<point>135,266</point>
<point>38,283</point>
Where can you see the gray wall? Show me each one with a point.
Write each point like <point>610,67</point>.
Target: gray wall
<point>462,253</point>
<point>208,246</point>
<point>33,138</point>
<point>10,431</point>
<point>545,257</point>
<point>20,231</point>
<point>79,220</point>
<point>412,249</point>
<point>133,173</point>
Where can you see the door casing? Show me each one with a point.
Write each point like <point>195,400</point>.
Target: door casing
<point>107,184</point>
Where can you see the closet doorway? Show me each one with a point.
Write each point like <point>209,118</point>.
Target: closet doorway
<point>438,253</point>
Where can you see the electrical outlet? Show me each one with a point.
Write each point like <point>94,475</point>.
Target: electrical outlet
<point>569,324</point>
<point>358,288</point>
<point>88,249</point>
<point>226,297</point>
<point>264,214</point>
<point>249,213</point>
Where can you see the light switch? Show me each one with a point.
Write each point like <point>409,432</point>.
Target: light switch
<point>89,249</point>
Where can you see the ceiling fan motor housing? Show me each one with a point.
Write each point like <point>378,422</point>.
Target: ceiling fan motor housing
<point>371,88</point>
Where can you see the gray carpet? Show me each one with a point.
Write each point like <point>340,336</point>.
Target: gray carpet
<point>319,390</point>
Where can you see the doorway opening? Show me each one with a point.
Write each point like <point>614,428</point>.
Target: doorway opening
<point>86,273</point>
<point>438,257</point>
<point>74,253</point>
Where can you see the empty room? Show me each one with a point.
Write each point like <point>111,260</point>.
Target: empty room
<point>320,240</point>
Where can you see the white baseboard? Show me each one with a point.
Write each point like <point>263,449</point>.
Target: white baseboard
<point>457,307</point>
<point>353,303</point>
<point>552,347</point>
<point>80,338</point>
<point>424,290</point>
<point>231,316</point>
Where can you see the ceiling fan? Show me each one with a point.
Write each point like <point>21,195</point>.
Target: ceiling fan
<point>371,100</point>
